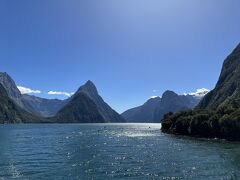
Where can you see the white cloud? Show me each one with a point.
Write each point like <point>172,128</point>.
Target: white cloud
<point>25,90</point>
<point>60,93</point>
<point>199,93</point>
<point>154,90</point>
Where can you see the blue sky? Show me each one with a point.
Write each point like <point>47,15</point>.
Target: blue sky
<point>131,49</point>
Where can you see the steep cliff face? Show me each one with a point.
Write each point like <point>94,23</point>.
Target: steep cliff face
<point>85,103</point>
<point>10,112</point>
<point>86,106</point>
<point>228,84</point>
<point>108,114</point>
<point>11,88</point>
<point>218,114</point>
<point>80,109</point>
<point>35,105</point>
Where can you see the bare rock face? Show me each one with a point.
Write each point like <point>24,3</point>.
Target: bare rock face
<point>80,109</point>
<point>36,105</point>
<point>84,106</point>
<point>10,112</point>
<point>228,84</point>
<point>11,88</point>
<point>108,114</point>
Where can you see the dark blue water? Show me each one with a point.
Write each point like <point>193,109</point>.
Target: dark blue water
<point>112,151</point>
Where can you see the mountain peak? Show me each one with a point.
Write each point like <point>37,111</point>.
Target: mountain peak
<point>5,75</point>
<point>88,87</point>
<point>108,114</point>
<point>89,83</point>
<point>9,85</point>
<point>168,94</point>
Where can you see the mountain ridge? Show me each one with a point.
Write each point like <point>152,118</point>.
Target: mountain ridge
<point>229,73</point>
<point>105,110</point>
<point>54,109</point>
<point>32,104</point>
<point>10,112</point>
<point>218,113</point>
<point>80,109</point>
<point>154,108</point>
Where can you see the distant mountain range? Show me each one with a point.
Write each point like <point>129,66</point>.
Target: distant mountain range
<point>87,106</point>
<point>84,106</point>
<point>153,110</point>
<point>218,113</point>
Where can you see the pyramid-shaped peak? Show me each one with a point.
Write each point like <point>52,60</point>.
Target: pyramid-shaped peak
<point>88,87</point>
<point>89,83</point>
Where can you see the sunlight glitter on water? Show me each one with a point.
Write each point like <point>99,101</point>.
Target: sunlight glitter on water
<point>141,130</point>
<point>112,151</point>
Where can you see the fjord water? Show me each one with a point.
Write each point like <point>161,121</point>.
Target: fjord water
<point>112,151</point>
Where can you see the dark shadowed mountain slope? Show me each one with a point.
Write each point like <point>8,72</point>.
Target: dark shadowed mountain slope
<point>108,114</point>
<point>144,113</point>
<point>228,84</point>
<point>172,102</point>
<point>80,109</point>
<point>11,88</point>
<point>154,109</point>
<point>36,105</point>
<point>51,107</point>
<point>10,112</point>
<point>218,114</point>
